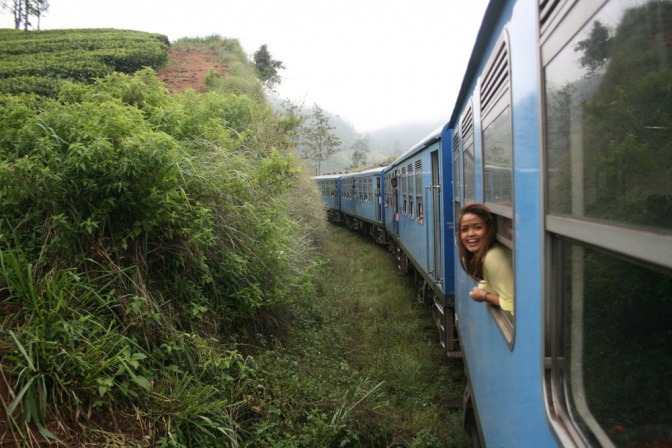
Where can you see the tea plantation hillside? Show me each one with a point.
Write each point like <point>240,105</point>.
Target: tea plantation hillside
<point>38,61</point>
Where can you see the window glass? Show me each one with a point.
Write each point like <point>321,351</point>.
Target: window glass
<point>616,345</point>
<point>498,157</point>
<point>609,117</point>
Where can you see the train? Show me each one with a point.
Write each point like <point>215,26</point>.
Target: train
<point>562,127</point>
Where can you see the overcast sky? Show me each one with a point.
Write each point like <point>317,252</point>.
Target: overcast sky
<point>373,62</point>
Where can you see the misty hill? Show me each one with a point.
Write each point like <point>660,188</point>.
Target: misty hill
<point>384,144</point>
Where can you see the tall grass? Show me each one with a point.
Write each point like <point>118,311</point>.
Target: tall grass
<point>139,232</point>
<point>360,365</point>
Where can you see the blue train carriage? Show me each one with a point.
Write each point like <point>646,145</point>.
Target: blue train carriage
<point>563,127</point>
<point>362,203</point>
<point>328,186</point>
<point>419,222</point>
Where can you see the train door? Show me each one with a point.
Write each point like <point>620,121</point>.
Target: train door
<point>436,216</point>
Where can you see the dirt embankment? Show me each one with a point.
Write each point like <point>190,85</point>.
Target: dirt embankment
<point>186,69</point>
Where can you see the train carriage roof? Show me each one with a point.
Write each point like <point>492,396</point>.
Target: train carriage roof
<point>430,139</point>
<point>368,172</point>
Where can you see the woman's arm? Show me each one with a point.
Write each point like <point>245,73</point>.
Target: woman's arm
<point>481,295</point>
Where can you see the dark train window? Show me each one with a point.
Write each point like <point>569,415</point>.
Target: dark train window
<point>612,347</point>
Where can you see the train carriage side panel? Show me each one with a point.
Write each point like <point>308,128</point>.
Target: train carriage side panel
<point>362,191</point>
<point>415,210</point>
<point>329,191</point>
<point>503,353</point>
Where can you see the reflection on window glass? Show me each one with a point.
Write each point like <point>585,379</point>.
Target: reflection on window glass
<point>609,117</point>
<point>497,154</point>
<point>617,347</point>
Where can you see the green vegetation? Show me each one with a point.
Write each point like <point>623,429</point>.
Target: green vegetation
<point>159,271</point>
<point>361,366</point>
<point>38,61</point>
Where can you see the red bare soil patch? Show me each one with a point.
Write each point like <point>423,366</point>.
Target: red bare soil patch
<point>186,69</point>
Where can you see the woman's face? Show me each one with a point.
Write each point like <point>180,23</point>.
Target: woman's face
<point>472,232</point>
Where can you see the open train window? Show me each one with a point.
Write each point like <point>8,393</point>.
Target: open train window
<point>607,68</point>
<point>497,142</point>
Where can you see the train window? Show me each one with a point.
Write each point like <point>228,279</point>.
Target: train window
<point>411,185</point>
<point>456,175</point>
<point>403,189</point>
<point>607,140</point>
<point>497,143</point>
<point>497,134</point>
<point>388,189</point>
<point>468,164</point>
<point>608,109</point>
<point>418,190</point>
<point>610,355</point>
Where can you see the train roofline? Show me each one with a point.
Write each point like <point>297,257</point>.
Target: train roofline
<point>327,177</point>
<point>376,170</point>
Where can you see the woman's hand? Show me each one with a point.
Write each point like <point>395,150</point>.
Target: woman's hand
<point>477,294</point>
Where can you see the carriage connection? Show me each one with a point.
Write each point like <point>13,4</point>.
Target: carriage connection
<point>563,128</point>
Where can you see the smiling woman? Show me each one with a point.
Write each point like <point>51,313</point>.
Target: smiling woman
<point>484,259</point>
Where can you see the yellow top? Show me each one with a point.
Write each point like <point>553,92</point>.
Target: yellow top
<point>498,275</point>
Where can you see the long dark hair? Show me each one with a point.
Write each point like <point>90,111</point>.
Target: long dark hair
<point>471,262</point>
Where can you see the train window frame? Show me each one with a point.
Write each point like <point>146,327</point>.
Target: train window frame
<point>494,100</point>
<point>636,244</point>
<point>411,187</point>
<point>418,191</point>
<point>468,141</point>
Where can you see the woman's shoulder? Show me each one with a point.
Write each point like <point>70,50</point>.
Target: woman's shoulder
<point>498,252</point>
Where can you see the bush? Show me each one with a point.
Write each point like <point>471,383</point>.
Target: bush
<point>137,226</point>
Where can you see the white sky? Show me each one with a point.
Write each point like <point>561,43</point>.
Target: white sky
<point>375,63</point>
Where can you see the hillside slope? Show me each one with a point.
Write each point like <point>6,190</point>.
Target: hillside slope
<point>187,69</point>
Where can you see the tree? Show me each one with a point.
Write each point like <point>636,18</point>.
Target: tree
<point>318,141</point>
<point>267,67</point>
<point>596,48</point>
<point>22,10</point>
<point>41,8</point>
<point>359,155</point>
